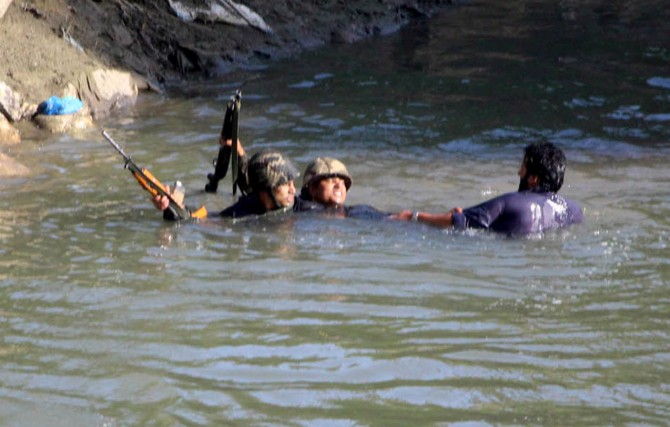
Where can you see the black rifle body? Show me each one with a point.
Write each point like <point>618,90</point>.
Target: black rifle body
<point>227,153</point>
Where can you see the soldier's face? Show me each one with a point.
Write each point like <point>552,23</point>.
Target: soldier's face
<point>330,192</point>
<point>285,194</point>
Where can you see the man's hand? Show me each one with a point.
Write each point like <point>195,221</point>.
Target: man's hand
<point>162,202</point>
<point>443,220</point>
<point>229,142</point>
<point>402,216</point>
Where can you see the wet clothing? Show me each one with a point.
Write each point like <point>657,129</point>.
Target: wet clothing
<point>356,211</point>
<point>249,204</point>
<point>304,205</point>
<point>245,206</point>
<point>520,213</point>
<point>365,212</point>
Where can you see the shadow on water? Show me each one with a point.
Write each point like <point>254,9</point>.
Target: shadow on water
<point>110,316</point>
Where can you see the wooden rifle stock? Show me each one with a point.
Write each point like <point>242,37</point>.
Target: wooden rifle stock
<point>151,184</point>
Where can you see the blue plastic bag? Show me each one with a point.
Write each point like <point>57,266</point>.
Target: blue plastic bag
<point>56,106</point>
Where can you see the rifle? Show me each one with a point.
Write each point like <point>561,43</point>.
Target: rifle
<point>227,155</point>
<point>149,182</point>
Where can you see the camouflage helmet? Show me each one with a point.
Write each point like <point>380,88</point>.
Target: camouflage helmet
<point>269,169</point>
<point>325,167</point>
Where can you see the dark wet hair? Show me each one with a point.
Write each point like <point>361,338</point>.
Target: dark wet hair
<point>547,162</point>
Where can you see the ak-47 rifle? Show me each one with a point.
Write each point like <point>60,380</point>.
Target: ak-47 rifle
<point>149,182</point>
<point>227,154</point>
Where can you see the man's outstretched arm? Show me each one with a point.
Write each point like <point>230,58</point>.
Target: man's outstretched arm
<point>442,220</point>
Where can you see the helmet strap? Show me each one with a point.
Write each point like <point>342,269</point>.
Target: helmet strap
<point>267,197</point>
<point>274,199</point>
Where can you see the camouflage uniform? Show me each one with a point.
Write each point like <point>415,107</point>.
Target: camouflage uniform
<point>265,171</point>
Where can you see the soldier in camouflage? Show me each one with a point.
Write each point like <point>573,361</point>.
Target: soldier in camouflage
<point>326,182</point>
<point>267,184</point>
<point>270,176</point>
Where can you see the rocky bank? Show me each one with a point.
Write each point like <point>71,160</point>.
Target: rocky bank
<point>50,44</point>
<point>106,52</point>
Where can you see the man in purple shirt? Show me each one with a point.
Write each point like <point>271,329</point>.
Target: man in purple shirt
<point>534,208</point>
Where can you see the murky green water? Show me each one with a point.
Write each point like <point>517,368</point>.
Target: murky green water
<point>111,317</point>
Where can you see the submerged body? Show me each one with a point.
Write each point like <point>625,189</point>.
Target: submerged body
<point>519,213</point>
<point>355,211</point>
<point>266,182</point>
<point>246,205</point>
<point>326,183</point>
<point>534,208</point>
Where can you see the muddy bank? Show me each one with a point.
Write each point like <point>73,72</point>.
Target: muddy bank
<point>106,52</point>
<point>48,43</point>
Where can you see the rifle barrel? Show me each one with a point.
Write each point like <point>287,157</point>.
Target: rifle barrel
<point>148,181</point>
<point>116,146</point>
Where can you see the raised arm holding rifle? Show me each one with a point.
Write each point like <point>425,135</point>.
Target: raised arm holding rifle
<point>231,150</point>
<point>270,176</point>
<point>265,180</point>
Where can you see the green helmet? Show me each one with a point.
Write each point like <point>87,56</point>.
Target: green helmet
<point>325,167</point>
<point>269,169</point>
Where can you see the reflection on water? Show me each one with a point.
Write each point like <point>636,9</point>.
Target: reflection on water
<point>109,316</point>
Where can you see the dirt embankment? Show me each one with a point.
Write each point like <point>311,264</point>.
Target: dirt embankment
<point>52,47</point>
<point>47,43</point>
